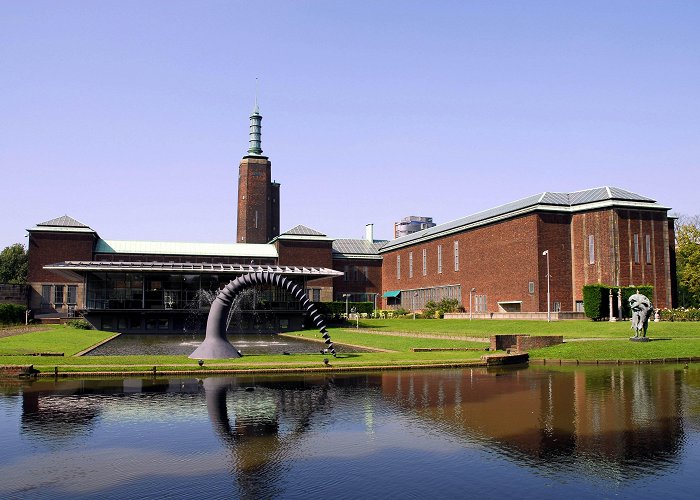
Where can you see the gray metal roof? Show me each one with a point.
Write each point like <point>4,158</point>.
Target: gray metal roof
<point>63,221</point>
<point>551,201</point>
<point>257,250</point>
<point>301,230</point>
<point>357,248</point>
<point>73,269</point>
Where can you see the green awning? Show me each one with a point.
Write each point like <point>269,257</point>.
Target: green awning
<point>391,293</point>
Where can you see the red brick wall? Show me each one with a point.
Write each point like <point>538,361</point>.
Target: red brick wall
<point>254,195</point>
<point>602,225</point>
<point>50,248</point>
<point>306,253</point>
<point>554,234</point>
<point>374,277</point>
<point>499,260</point>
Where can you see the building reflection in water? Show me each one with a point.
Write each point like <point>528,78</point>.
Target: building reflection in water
<point>619,422</point>
<point>623,421</point>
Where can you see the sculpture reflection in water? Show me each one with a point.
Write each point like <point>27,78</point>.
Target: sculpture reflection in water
<point>216,344</point>
<point>257,447</point>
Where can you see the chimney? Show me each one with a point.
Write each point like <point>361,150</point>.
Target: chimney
<point>369,233</point>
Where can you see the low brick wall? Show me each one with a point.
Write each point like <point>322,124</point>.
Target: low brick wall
<point>535,316</point>
<point>522,342</point>
<point>525,343</point>
<point>503,342</point>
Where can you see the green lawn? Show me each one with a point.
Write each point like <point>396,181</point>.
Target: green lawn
<point>569,329</point>
<point>670,340</point>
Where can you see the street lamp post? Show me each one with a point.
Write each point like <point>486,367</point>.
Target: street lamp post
<point>347,297</point>
<point>549,314</point>
<point>473,290</point>
<point>413,304</point>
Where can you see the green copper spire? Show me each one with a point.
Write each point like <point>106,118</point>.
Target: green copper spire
<point>255,126</point>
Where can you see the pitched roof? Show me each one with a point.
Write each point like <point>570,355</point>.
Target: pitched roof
<point>63,221</point>
<point>548,201</point>
<point>301,230</point>
<point>357,248</point>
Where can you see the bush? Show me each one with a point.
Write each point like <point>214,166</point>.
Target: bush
<point>12,314</point>
<point>437,310</point>
<point>80,324</point>
<point>596,302</point>
<point>680,314</point>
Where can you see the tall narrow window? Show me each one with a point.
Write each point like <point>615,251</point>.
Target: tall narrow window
<point>398,267</point>
<point>346,274</point>
<point>456,255</point>
<point>425,262</point>
<point>45,294</point>
<point>256,219</point>
<point>636,248</point>
<point>591,249</point>
<point>647,241</point>
<point>439,258</point>
<point>58,295</point>
<point>365,276</point>
<point>72,295</point>
<point>410,264</point>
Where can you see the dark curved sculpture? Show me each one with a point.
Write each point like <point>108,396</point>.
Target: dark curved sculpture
<point>217,346</point>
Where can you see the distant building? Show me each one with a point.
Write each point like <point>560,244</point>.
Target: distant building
<point>412,224</point>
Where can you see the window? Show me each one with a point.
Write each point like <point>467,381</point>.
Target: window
<point>579,306</point>
<point>636,248</point>
<point>647,241</point>
<point>425,262</point>
<point>456,255</point>
<point>410,264</point>
<point>398,267</point>
<point>72,294</point>
<point>480,303</point>
<point>556,307</point>
<point>346,274</point>
<point>439,251</point>
<point>45,294</point>
<point>591,249</point>
<point>531,287</point>
<point>58,295</point>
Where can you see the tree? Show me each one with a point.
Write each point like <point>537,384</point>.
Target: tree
<point>14,264</point>
<point>688,260</point>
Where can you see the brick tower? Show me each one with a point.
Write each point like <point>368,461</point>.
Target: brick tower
<point>258,195</point>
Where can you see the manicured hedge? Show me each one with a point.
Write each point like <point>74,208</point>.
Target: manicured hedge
<point>11,314</point>
<point>596,302</point>
<point>337,308</point>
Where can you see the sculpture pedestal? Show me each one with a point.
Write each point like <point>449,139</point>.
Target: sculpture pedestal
<point>640,339</point>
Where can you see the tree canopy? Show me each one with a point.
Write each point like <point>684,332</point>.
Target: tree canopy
<point>688,260</point>
<point>14,264</point>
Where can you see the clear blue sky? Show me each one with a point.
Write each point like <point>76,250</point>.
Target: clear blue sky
<point>132,116</point>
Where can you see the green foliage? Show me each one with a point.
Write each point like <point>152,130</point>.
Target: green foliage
<point>437,310</point>
<point>688,261</point>
<point>594,304</point>
<point>79,324</point>
<point>11,314</point>
<point>680,314</point>
<point>596,301</point>
<point>14,265</point>
<point>337,308</point>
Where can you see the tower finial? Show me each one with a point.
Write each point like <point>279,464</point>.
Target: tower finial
<point>255,127</point>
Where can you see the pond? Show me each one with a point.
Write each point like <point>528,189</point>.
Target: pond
<point>172,344</point>
<point>539,432</point>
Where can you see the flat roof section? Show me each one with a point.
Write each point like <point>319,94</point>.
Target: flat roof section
<point>75,269</point>
<point>257,250</point>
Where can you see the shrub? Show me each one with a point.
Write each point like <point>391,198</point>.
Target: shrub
<point>596,302</point>
<point>80,324</point>
<point>11,314</point>
<point>680,314</point>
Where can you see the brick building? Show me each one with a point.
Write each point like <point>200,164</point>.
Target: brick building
<point>496,261</point>
<point>493,262</point>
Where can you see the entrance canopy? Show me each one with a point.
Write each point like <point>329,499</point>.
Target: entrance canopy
<point>391,294</point>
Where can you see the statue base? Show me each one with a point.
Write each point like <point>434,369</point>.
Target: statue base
<point>640,339</point>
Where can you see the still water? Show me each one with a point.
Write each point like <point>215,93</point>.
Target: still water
<point>539,432</point>
<point>151,344</point>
